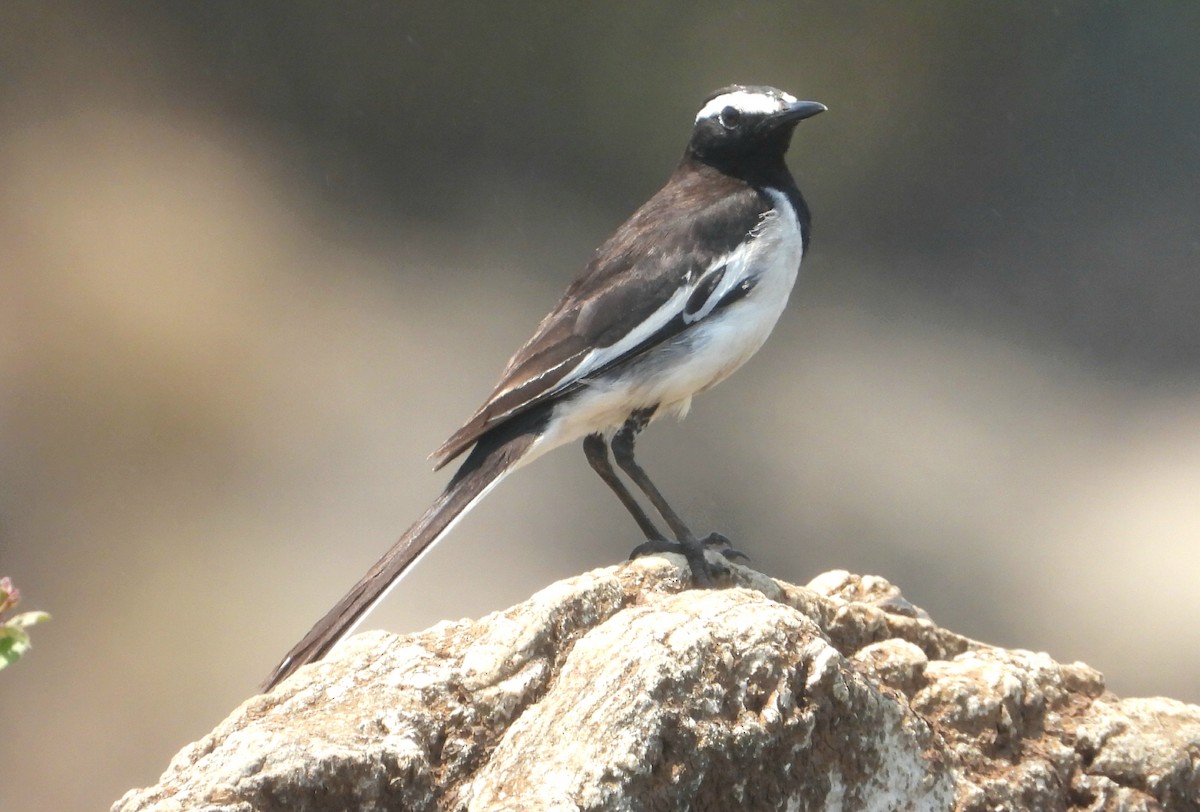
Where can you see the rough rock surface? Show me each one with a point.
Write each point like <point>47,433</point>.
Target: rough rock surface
<point>622,690</point>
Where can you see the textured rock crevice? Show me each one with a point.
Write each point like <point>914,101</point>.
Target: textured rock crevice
<point>621,689</point>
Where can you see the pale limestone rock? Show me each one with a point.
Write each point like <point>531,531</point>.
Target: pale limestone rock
<point>622,690</point>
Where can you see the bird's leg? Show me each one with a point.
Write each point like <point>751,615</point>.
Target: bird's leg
<point>596,451</point>
<point>685,542</point>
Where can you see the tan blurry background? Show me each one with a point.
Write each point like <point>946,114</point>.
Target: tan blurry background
<point>257,260</point>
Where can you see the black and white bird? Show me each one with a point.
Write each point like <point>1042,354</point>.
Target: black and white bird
<point>677,299</point>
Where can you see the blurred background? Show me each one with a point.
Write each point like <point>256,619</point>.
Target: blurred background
<point>258,259</point>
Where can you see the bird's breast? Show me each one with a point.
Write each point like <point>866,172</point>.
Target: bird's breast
<point>724,342</point>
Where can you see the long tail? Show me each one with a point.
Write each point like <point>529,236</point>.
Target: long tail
<point>495,455</point>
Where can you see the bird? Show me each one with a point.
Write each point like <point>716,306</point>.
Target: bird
<point>680,296</point>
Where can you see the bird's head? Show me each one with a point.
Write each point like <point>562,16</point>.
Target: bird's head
<point>741,126</point>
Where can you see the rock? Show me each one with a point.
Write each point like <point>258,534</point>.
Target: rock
<point>623,690</point>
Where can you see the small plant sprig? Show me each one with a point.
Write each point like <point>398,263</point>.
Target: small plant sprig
<point>14,639</point>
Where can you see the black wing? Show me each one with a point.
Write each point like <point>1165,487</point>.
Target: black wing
<point>669,249</point>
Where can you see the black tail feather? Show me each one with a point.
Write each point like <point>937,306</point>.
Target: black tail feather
<point>496,453</point>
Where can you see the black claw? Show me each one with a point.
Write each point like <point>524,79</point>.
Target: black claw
<point>716,540</point>
<point>727,550</point>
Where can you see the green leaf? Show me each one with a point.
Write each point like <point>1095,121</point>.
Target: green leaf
<point>14,642</point>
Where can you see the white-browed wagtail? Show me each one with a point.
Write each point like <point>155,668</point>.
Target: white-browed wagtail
<point>677,299</point>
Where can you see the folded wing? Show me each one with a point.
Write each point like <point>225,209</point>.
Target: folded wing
<point>652,279</point>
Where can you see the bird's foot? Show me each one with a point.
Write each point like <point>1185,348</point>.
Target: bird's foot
<point>704,571</point>
<point>725,546</point>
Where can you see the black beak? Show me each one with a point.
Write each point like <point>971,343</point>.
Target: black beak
<point>796,111</point>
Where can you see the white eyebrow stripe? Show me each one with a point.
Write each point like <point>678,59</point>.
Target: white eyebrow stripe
<point>747,102</point>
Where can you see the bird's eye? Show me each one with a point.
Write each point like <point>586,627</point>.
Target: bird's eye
<point>730,118</point>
